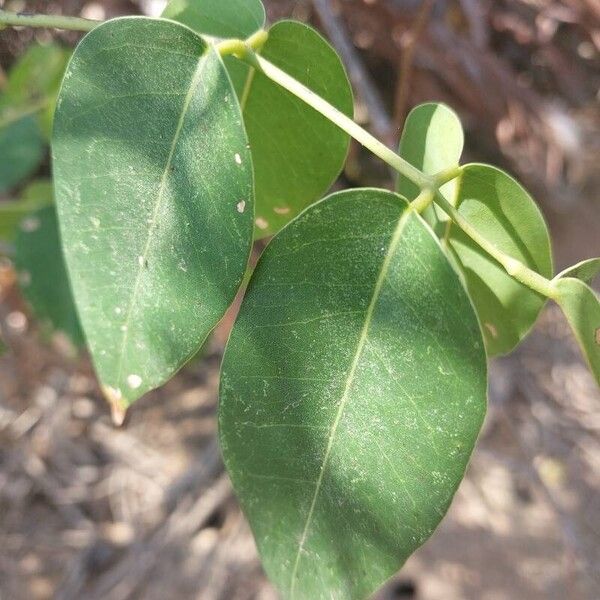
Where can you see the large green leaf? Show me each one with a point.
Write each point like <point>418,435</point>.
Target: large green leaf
<point>219,18</point>
<point>432,141</point>
<point>35,196</point>
<point>581,306</point>
<point>297,152</point>
<point>153,181</point>
<point>504,213</point>
<point>43,276</point>
<point>353,389</point>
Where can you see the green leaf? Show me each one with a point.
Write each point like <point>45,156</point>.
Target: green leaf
<point>581,306</point>
<point>21,150</point>
<point>353,388</point>
<point>297,152</point>
<point>43,276</point>
<point>219,18</point>
<point>34,81</point>
<point>586,270</point>
<point>503,212</point>
<point>153,181</point>
<point>35,196</point>
<point>432,141</point>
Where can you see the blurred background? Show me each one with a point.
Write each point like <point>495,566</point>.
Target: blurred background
<point>146,511</point>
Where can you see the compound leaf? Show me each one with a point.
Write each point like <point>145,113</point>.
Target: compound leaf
<point>219,18</point>
<point>153,181</point>
<point>501,210</point>
<point>43,276</point>
<point>581,306</point>
<point>433,141</point>
<point>297,152</point>
<point>353,389</point>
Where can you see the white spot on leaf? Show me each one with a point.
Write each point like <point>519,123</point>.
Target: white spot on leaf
<point>241,205</point>
<point>262,223</point>
<point>134,381</point>
<point>238,159</point>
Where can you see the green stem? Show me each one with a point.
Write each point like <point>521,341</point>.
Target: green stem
<point>246,50</point>
<point>423,200</point>
<point>513,267</point>
<point>50,21</point>
<point>337,117</point>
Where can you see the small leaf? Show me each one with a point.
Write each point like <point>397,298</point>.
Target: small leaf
<point>35,80</point>
<point>581,306</point>
<point>353,388</point>
<point>502,211</point>
<point>21,149</point>
<point>43,276</point>
<point>432,141</point>
<point>297,152</point>
<point>35,196</point>
<point>219,18</point>
<point>155,198</point>
<point>586,270</point>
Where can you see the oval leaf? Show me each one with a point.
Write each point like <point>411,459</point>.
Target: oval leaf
<point>219,18</point>
<point>501,210</point>
<point>43,276</point>
<point>353,389</point>
<point>153,182</point>
<point>432,141</point>
<point>581,306</point>
<point>297,152</point>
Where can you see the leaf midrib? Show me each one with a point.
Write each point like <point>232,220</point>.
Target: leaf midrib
<point>395,240</point>
<point>159,200</point>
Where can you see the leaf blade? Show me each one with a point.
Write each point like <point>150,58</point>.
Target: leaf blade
<point>320,372</point>
<point>42,273</point>
<point>501,210</point>
<point>297,152</point>
<point>154,183</point>
<point>581,306</point>
<point>219,18</point>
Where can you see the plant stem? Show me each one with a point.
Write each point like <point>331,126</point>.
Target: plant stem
<point>423,200</point>
<point>246,50</point>
<point>50,21</point>
<point>337,117</point>
<point>517,270</point>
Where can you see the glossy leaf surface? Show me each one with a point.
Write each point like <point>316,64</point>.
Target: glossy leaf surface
<point>297,152</point>
<point>219,18</point>
<point>42,274</point>
<point>502,211</point>
<point>581,306</point>
<point>432,140</point>
<point>153,183</point>
<point>353,389</point>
